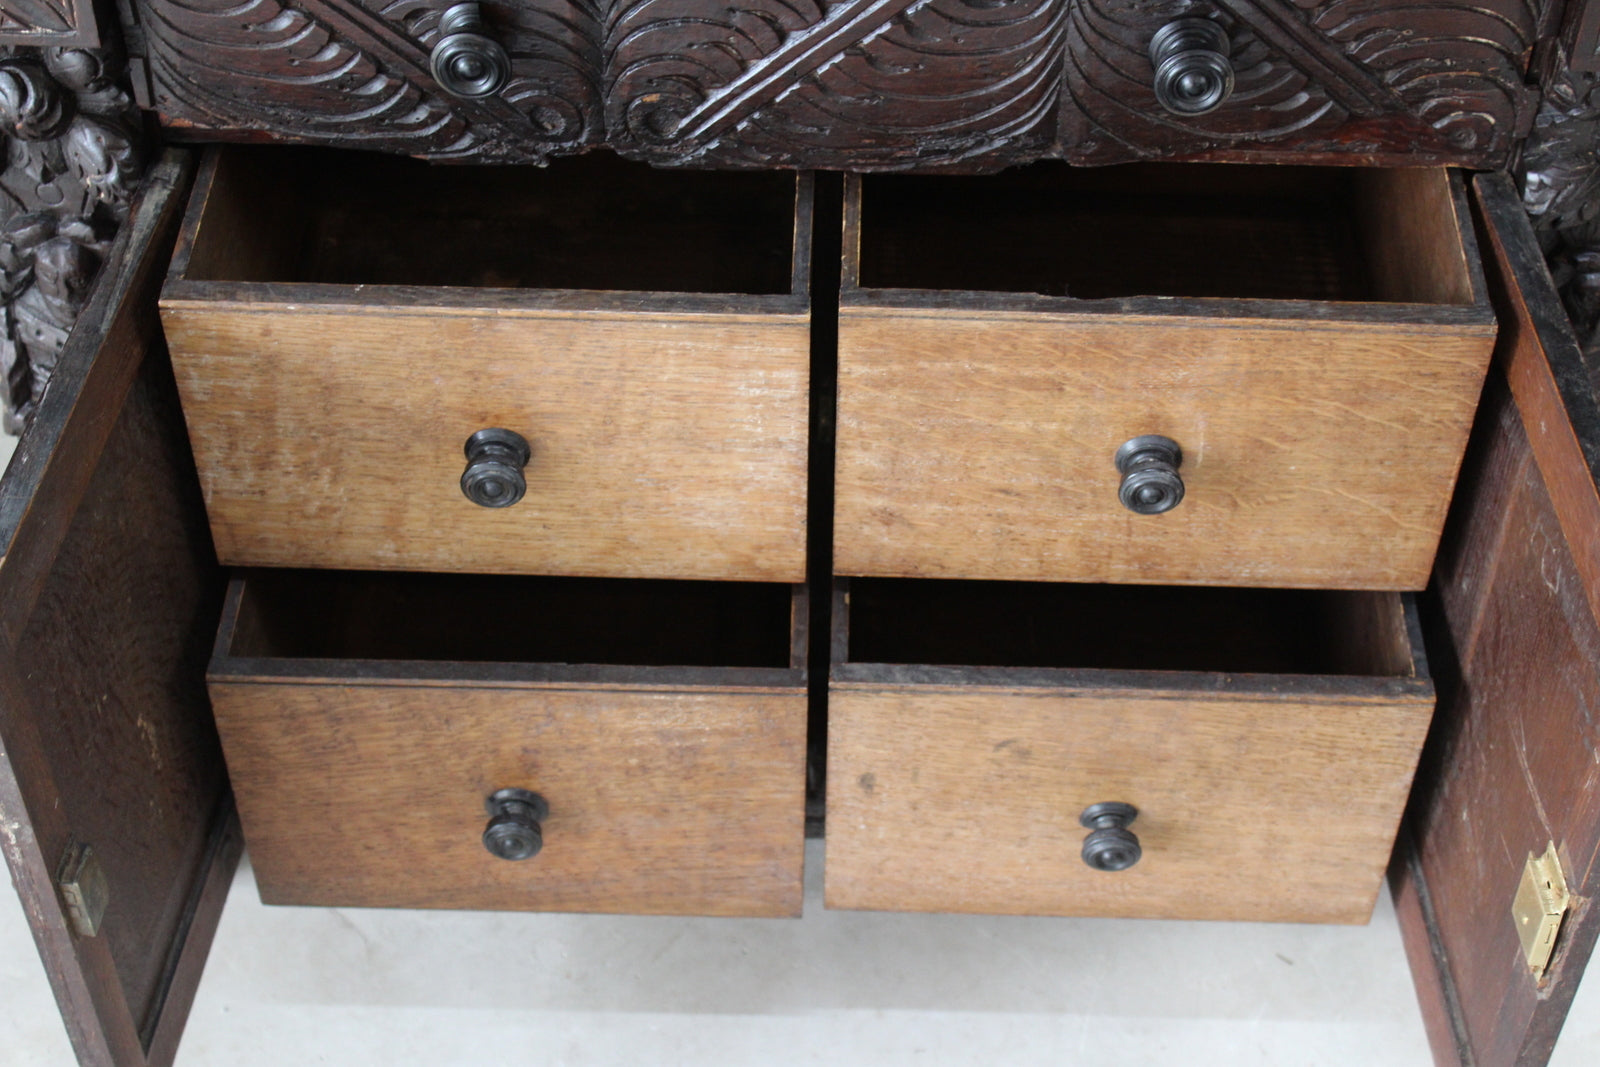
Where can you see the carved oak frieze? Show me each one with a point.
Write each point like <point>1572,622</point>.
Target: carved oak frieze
<point>879,84</point>
<point>860,84</point>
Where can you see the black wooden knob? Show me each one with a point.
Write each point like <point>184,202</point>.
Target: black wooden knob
<point>514,816</point>
<point>1110,846</point>
<point>1150,480</point>
<point>1193,74</point>
<point>495,458</point>
<point>467,62</point>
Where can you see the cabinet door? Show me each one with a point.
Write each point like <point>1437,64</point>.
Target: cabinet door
<point>1513,762</point>
<point>117,821</point>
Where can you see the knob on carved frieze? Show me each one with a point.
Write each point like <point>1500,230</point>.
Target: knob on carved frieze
<point>1193,74</point>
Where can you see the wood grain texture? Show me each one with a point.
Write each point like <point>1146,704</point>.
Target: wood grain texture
<point>980,445</point>
<point>1321,413</point>
<point>663,445</point>
<point>110,592</point>
<point>1512,762</point>
<point>967,800</point>
<point>660,802</point>
<point>668,428</point>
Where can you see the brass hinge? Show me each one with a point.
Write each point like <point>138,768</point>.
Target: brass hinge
<point>1541,902</point>
<point>84,888</point>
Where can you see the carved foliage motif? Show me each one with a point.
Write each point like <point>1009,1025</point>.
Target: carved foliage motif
<point>864,84</point>
<point>72,160</point>
<point>1561,191</point>
<point>48,22</point>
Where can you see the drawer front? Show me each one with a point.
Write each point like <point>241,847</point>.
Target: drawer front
<point>982,445</point>
<point>661,445</point>
<point>660,802</point>
<point>1248,809</point>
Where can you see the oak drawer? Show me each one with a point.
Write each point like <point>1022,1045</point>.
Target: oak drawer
<point>1267,740</point>
<point>1313,341</point>
<point>367,719</point>
<point>341,325</point>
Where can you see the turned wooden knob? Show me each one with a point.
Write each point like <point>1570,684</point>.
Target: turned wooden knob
<point>513,832</point>
<point>1150,480</point>
<point>466,61</point>
<point>495,458</point>
<point>1110,846</point>
<point>1193,73</point>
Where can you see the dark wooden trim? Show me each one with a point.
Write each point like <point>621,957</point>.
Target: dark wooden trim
<point>162,1030</point>
<point>1549,379</point>
<point>1430,964</point>
<point>501,675</point>
<point>800,628</point>
<point>1222,312</point>
<point>272,297</point>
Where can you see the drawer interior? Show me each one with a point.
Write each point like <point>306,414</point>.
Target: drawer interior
<point>1192,230</point>
<point>361,615</point>
<point>1123,627</point>
<point>595,222</point>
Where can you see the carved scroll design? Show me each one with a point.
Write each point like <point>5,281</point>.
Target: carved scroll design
<point>56,23</point>
<point>72,161</point>
<point>336,73</point>
<point>867,84</point>
<point>554,47</point>
<point>1407,79</point>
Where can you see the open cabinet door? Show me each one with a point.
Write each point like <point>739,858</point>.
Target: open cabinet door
<point>115,815</point>
<point>1513,763</point>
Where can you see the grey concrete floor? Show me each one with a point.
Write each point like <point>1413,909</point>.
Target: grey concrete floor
<point>359,987</point>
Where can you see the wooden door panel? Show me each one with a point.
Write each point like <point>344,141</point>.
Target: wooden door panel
<point>109,594</point>
<point>1511,764</point>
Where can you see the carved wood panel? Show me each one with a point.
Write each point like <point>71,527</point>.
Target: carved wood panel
<point>58,23</point>
<point>858,84</point>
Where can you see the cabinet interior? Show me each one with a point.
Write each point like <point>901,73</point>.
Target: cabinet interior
<point>593,222</point>
<point>1177,230</point>
<point>1126,627</point>
<point>289,614</point>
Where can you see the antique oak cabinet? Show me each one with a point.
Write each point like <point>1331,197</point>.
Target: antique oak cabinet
<point>1091,457</point>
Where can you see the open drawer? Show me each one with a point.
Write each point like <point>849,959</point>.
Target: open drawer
<point>1309,344</point>
<point>368,719</point>
<point>343,327</point>
<point>1265,739</point>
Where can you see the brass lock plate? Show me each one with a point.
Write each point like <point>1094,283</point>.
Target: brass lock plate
<point>1539,906</point>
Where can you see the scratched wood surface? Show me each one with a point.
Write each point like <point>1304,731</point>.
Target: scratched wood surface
<point>361,748</point>
<point>1321,425</point>
<point>668,431</point>
<point>1511,765</point>
<point>1268,788</point>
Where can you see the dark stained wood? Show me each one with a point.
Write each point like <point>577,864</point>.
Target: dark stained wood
<point>1512,761</point>
<point>110,589</point>
<point>955,85</point>
<point>54,23</point>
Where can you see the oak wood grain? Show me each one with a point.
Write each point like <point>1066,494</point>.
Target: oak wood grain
<point>660,802</point>
<point>662,445</point>
<point>980,445</point>
<point>967,800</point>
